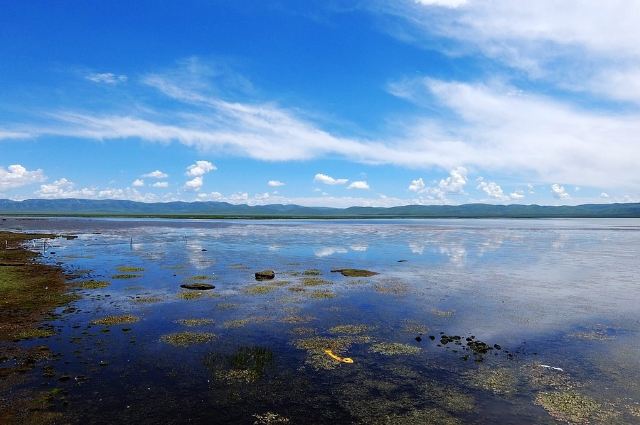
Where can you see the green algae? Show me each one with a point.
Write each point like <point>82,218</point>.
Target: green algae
<point>240,323</point>
<point>420,417</point>
<point>93,284</point>
<point>150,299</point>
<point>185,339</point>
<point>391,288</point>
<point>194,322</point>
<point>414,327</point>
<point>116,320</point>
<point>442,313</point>
<point>246,365</point>
<point>311,272</point>
<point>394,349</point>
<point>294,318</point>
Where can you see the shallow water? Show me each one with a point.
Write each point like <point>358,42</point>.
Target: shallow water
<point>560,293</point>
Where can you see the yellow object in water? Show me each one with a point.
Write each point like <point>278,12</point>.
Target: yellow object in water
<point>338,358</point>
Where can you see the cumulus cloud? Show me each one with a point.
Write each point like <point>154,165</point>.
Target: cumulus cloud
<point>518,194</point>
<point>455,182</point>
<point>157,174</point>
<point>492,189</point>
<point>64,188</point>
<point>213,196</point>
<point>559,191</point>
<point>417,185</point>
<point>17,175</point>
<point>325,179</point>
<point>275,183</point>
<point>363,185</point>
<point>138,183</point>
<point>200,168</point>
<point>197,171</point>
<point>195,183</point>
<point>604,195</point>
<point>161,185</point>
<point>106,78</point>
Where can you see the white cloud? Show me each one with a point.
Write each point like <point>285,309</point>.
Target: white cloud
<point>492,189</point>
<point>559,192</point>
<point>323,178</point>
<point>455,182</point>
<point>17,176</point>
<point>194,184</point>
<point>106,78</point>
<point>138,183</point>
<point>275,183</point>
<point>157,174</point>
<point>161,185</point>
<point>63,188</point>
<point>363,185</point>
<point>200,168</point>
<point>576,44</point>
<point>417,185</point>
<point>604,195</point>
<point>442,3</point>
<point>213,196</point>
<point>518,194</point>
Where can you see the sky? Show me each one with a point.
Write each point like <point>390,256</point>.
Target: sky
<point>321,102</point>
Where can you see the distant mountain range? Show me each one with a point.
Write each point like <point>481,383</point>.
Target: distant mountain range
<point>87,207</point>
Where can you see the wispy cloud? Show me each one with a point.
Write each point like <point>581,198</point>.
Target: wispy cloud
<point>106,78</point>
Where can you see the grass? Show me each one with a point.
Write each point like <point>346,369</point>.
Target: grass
<point>185,339</point>
<point>116,320</point>
<point>28,290</point>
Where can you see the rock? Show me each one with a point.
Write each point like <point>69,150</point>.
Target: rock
<point>354,272</point>
<point>197,286</point>
<point>418,338</point>
<point>265,275</point>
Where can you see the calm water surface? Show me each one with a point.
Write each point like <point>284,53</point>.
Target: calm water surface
<point>558,293</point>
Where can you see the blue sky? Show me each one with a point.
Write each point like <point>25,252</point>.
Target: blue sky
<point>320,102</point>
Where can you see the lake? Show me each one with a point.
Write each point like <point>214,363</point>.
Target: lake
<point>466,321</point>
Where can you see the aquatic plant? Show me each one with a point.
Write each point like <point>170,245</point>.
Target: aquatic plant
<point>246,365</point>
<point>414,327</point>
<point>189,295</point>
<point>568,406</point>
<point>316,349</point>
<point>93,284</point>
<point>391,288</point>
<point>116,320</point>
<point>315,281</point>
<point>322,294</point>
<point>350,329</point>
<point>312,272</point>
<point>354,272</point>
<point>449,398</point>
<point>194,322</point>
<point>499,381</point>
<point>129,269</point>
<point>270,418</point>
<point>394,348</point>
<point>185,339</point>
<point>150,299</point>
<point>125,276</point>
<point>34,333</point>
<point>420,417</point>
<point>297,319</point>
<point>442,313</point>
<point>259,289</point>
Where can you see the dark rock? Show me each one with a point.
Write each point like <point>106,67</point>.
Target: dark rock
<point>418,338</point>
<point>197,286</point>
<point>354,272</point>
<point>265,275</point>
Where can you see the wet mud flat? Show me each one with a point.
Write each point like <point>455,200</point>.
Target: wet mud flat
<point>383,323</point>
